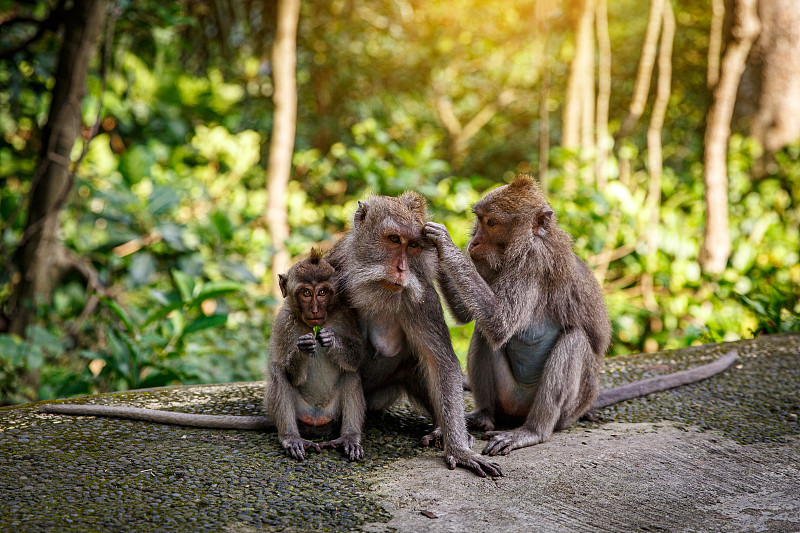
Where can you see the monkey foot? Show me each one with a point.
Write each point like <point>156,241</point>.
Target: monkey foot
<point>434,438</point>
<point>480,420</point>
<point>502,442</point>
<point>466,458</point>
<point>296,446</point>
<point>350,445</point>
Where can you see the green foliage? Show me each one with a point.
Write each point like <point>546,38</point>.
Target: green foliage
<point>776,312</point>
<point>169,201</point>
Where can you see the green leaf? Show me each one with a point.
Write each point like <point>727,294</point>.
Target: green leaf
<point>215,289</point>
<point>161,312</point>
<point>205,322</point>
<point>163,376</point>
<point>121,314</point>
<point>185,284</point>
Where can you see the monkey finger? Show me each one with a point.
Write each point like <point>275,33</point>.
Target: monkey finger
<point>494,446</point>
<point>326,337</point>
<point>354,452</point>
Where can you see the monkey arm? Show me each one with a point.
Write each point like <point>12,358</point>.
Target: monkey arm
<point>346,348</point>
<point>441,377</point>
<point>464,283</point>
<point>458,307</point>
<point>499,312</point>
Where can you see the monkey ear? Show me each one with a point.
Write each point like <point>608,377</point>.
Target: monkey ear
<point>361,214</point>
<point>542,221</point>
<point>283,283</point>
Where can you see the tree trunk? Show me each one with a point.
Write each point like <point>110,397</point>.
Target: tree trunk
<point>581,75</point>
<point>641,87</point>
<point>544,114</point>
<point>654,157</point>
<point>769,93</point>
<point>716,246</point>
<point>715,42</point>
<point>37,256</point>
<point>281,148</point>
<point>604,142</point>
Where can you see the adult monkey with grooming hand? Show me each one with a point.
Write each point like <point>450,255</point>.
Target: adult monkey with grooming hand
<point>386,270</point>
<point>541,325</point>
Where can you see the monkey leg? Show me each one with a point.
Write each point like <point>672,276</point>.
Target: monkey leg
<point>440,390</point>
<point>296,446</point>
<point>351,405</point>
<point>434,438</point>
<point>480,370</point>
<point>556,398</point>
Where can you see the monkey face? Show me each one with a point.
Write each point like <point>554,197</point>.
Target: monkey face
<point>313,299</point>
<point>490,237</point>
<point>401,246</point>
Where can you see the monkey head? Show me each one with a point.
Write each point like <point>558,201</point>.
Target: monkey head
<point>389,253</point>
<point>310,288</point>
<point>507,219</point>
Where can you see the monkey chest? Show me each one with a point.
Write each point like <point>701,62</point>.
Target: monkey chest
<point>321,378</point>
<point>528,351</point>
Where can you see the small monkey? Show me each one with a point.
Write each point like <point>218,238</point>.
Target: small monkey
<point>313,381</point>
<point>541,325</point>
<point>313,377</point>
<point>386,270</point>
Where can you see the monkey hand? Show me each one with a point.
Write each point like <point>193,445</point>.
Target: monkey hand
<point>466,458</point>
<point>502,442</point>
<point>438,235</point>
<point>326,337</point>
<point>434,438</point>
<point>479,419</point>
<point>350,445</point>
<point>296,446</point>
<point>306,343</point>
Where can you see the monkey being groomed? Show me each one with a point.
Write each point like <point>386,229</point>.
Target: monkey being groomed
<point>386,270</point>
<point>541,325</point>
<point>313,386</point>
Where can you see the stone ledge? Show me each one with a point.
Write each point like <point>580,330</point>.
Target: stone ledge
<point>83,473</point>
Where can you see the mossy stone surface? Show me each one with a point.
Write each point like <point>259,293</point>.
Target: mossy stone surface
<point>60,473</point>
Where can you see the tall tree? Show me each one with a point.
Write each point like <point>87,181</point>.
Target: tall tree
<point>578,114</point>
<point>769,93</point>
<point>38,256</point>
<point>654,156</point>
<point>604,142</point>
<point>284,64</point>
<point>641,87</point>
<point>716,247</point>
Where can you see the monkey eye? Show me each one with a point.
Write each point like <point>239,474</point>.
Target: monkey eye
<point>322,292</point>
<point>491,222</point>
<point>394,238</point>
<point>413,244</point>
<point>306,293</point>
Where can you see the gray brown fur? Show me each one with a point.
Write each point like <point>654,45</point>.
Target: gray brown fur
<point>387,273</point>
<point>335,385</point>
<point>315,376</point>
<point>526,275</point>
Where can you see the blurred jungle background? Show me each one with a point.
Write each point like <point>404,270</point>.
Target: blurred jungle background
<point>161,162</point>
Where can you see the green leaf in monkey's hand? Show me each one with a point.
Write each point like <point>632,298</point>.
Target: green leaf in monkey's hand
<point>316,330</point>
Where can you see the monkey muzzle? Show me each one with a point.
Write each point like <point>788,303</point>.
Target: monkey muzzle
<point>315,321</point>
<point>392,286</point>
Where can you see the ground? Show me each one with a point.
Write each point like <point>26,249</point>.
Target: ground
<point>721,455</point>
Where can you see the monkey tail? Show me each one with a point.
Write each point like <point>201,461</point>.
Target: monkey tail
<point>162,417</point>
<point>659,383</point>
